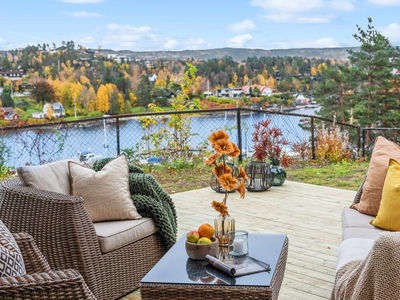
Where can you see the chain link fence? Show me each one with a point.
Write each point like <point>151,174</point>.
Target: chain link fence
<point>369,136</point>
<point>153,137</point>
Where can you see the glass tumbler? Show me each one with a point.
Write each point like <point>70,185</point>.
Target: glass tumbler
<point>238,242</point>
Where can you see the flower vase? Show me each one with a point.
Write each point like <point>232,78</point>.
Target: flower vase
<point>278,173</point>
<point>222,225</point>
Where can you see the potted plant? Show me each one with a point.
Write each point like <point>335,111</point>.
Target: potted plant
<point>268,144</point>
<point>229,181</point>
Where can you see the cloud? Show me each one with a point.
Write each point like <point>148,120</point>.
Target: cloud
<point>239,41</point>
<point>193,44</point>
<point>127,28</point>
<point>81,1</point>
<point>392,32</point>
<point>303,11</point>
<point>320,43</point>
<point>84,14</point>
<point>170,44</point>
<point>85,40</point>
<point>245,25</point>
<point>386,2</point>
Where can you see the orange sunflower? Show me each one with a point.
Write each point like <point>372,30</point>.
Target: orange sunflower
<point>211,160</point>
<point>228,182</point>
<point>221,169</point>
<point>241,189</point>
<point>242,174</point>
<point>235,151</point>
<point>219,135</point>
<point>223,146</point>
<point>220,207</point>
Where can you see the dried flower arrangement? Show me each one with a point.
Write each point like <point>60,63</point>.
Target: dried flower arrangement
<point>268,143</point>
<point>224,149</point>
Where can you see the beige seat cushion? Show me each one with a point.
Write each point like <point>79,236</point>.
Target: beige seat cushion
<point>378,167</point>
<point>117,234</point>
<point>52,177</point>
<point>353,249</point>
<point>352,218</point>
<point>106,193</point>
<point>362,233</point>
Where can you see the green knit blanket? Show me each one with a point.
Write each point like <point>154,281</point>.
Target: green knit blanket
<point>150,201</point>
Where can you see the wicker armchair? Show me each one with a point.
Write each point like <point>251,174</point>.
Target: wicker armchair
<point>40,282</point>
<point>64,233</point>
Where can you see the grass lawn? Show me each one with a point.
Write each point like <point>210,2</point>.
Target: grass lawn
<point>188,177</point>
<point>345,176</point>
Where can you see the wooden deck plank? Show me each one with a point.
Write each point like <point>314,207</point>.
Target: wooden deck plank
<point>310,215</point>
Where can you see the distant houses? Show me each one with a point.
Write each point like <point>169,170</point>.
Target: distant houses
<point>13,74</point>
<point>152,77</point>
<point>57,107</point>
<point>238,93</point>
<point>7,114</point>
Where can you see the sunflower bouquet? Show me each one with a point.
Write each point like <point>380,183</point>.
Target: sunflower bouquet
<point>224,148</point>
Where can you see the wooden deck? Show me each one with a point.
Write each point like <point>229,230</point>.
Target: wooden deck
<point>308,214</point>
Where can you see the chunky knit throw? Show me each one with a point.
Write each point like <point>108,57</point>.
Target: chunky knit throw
<point>150,201</point>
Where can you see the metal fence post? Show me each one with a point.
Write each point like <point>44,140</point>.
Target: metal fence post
<point>358,141</point>
<point>363,142</point>
<point>312,139</point>
<point>239,129</point>
<point>118,145</point>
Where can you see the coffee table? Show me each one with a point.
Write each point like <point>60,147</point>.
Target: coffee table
<point>176,276</point>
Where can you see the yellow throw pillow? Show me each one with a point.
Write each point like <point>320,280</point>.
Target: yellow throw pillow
<point>389,211</point>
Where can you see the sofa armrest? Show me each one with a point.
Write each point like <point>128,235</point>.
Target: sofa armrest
<point>49,285</point>
<point>34,260</point>
<point>59,224</point>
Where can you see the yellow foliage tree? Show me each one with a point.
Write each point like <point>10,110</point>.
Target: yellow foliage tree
<point>121,103</point>
<point>231,85</point>
<point>313,71</point>
<point>10,58</point>
<point>50,111</point>
<point>245,80</point>
<point>102,103</point>
<point>133,99</point>
<point>271,82</point>
<point>84,79</point>
<point>261,80</point>
<point>47,71</point>
<point>91,99</point>
<point>235,79</point>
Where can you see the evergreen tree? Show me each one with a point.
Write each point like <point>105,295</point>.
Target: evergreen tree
<point>7,100</point>
<point>333,94</point>
<point>145,91</point>
<point>375,102</point>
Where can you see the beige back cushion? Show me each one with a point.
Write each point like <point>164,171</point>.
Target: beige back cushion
<point>373,185</point>
<point>52,177</point>
<point>105,193</point>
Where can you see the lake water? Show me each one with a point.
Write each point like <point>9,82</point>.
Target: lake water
<point>29,147</point>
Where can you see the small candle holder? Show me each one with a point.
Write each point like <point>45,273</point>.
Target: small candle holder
<point>238,242</point>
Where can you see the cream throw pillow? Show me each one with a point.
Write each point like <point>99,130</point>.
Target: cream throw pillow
<point>105,193</point>
<point>50,177</point>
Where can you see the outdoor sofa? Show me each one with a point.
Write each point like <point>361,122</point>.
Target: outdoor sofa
<point>111,256</point>
<point>40,282</point>
<point>368,265</point>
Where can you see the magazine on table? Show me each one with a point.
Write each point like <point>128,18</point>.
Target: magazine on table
<point>239,266</point>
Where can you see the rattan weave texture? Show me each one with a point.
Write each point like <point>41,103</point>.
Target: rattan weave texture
<point>64,233</point>
<point>40,282</point>
<point>152,291</point>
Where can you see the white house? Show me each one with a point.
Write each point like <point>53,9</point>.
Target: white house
<point>152,77</point>
<point>265,91</point>
<point>223,93</point>
<point>37,115</point>
<point>58,109</point>
<point>235,93</point>
<point>208,94</point>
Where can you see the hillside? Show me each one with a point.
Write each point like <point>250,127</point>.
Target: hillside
<point>238,54</point>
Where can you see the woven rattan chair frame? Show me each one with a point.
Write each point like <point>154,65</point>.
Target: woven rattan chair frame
<point>64,233</point>
<point>150,291</point>
<point>40,282</point>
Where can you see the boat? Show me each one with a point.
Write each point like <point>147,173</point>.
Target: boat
<point>87,157</point>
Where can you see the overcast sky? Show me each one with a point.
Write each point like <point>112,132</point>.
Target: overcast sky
<point>202,24</point>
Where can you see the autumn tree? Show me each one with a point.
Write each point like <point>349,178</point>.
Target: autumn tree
<point>43,92</point>
<point>50,111</point>
<point>145,91</point>
<point>102,103</point>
